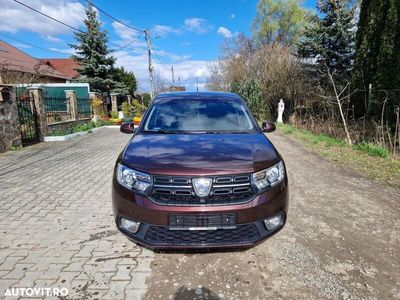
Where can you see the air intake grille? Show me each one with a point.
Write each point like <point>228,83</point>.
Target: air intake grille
<point>178,191</point>
<point>159,235</point>
<point>225,220</point>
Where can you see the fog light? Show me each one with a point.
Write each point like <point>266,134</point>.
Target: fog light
<point>274,222</point>
<point>129,225</point>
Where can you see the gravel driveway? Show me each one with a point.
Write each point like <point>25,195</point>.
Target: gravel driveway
<point>342,239</point>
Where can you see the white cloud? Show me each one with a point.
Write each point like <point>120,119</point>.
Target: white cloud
<point>225,32</point>
<point>172,56</point>
<point>163,30</point>
<point>197,25</point>
<point>232,16</point>
<point>128,36</point>
<point>186,69</point>
<point>14,17</point>
<point>52,39</point>
<point>185,44</point>
<point>69,51</point>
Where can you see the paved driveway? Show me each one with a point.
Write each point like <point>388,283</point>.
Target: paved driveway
<point>56,224</point>
<point>342,239</point>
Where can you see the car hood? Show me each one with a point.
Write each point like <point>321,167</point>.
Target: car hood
<point>199,154</point>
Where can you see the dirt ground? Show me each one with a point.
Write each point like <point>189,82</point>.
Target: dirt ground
<point>342,241</point>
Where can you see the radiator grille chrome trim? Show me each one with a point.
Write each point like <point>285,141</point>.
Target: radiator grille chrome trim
<point>178,190</point>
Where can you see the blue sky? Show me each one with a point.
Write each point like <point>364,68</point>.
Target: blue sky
<point>185,34</point>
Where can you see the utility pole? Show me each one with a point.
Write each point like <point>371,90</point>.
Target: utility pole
<point>173,78</point>
<point>151,69</point>
<point>179,83</point>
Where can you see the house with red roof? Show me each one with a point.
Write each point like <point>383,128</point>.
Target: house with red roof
<point>66,66</point>
<point>16,66</point>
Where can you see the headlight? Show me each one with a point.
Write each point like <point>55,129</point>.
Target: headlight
<point>133,180</point>
<point>269,177</point>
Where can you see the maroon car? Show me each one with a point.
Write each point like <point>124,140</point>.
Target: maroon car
<point>199,172</point>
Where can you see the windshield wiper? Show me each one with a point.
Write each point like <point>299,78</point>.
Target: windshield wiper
<point>163,131</point>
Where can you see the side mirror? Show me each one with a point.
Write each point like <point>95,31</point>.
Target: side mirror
<point>127,127</point>
<point>268,126</point>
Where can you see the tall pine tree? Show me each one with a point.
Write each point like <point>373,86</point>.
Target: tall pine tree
<point>377,59</point>
<point>93,55</point>
<point>328,40</point>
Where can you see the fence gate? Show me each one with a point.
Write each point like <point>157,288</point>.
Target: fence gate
<point>28,120</point>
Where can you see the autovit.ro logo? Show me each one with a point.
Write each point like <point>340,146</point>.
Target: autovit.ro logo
<point>36,292</point>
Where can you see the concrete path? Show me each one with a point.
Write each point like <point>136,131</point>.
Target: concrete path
<point>56,224</point>
<point>342,239</point>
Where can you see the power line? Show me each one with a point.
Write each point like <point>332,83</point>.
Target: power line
<point>67,25</point>
<point>130,43</point>
<point>57,8</point>
<point>32,45</point>
<point>6,59</point>
<point>115,19</point>
<point>50,17</point>
<point>159,59</point>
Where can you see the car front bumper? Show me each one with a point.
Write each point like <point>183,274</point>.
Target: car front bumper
<point>155,230</point>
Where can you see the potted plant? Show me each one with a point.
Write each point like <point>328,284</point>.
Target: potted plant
<point>117,121</point>
<point>137,120</point>
<point>105,117</point>
<point>97,106</point>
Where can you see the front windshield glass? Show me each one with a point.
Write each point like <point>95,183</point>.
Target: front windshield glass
<point>198,115</point>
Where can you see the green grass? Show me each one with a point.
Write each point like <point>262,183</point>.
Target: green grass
<point>365,158</point>
<point>372,149</point>
<point>310,137</point>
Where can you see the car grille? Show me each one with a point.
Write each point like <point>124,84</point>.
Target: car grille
<point>178,191</point>
<point>243,234</point>
<point>225,220</point>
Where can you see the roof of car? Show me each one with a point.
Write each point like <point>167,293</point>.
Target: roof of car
<point>196,95</point>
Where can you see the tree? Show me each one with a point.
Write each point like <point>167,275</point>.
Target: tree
<point>278,21</point>
<point>273,68</point>
<point>126,79</point>
<point>377,59</point>
<point>93,55</point>
<point>216,79</point>
<point>252,94</point>
<point>159,84</point>
<point>328,40</point>
<point>146,98</point>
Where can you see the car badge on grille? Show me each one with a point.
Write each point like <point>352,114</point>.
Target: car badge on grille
<point>202,186</point>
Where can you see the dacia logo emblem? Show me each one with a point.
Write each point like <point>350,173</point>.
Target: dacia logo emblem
<point>202,186</point>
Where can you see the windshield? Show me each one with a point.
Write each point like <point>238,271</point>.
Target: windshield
<point>199,115</point>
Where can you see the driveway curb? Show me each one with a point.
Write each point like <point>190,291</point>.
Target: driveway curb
<point>67,137</point>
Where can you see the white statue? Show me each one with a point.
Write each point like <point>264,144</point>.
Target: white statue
<point>281,108</point>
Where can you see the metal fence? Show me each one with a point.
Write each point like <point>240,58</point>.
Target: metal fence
<point>84,108</point>
<point>57,110</point>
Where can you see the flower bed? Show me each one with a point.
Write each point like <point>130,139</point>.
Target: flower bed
<point>79,128</point>
<point>58,135</point>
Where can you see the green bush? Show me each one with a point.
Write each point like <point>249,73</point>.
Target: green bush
<point>131,110</point>
<point>250,91</point>
<point>114,115</point>
<point>80,127</point>
<point>61,132</point>
<point>372,149</point>
<point>101,122</point>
